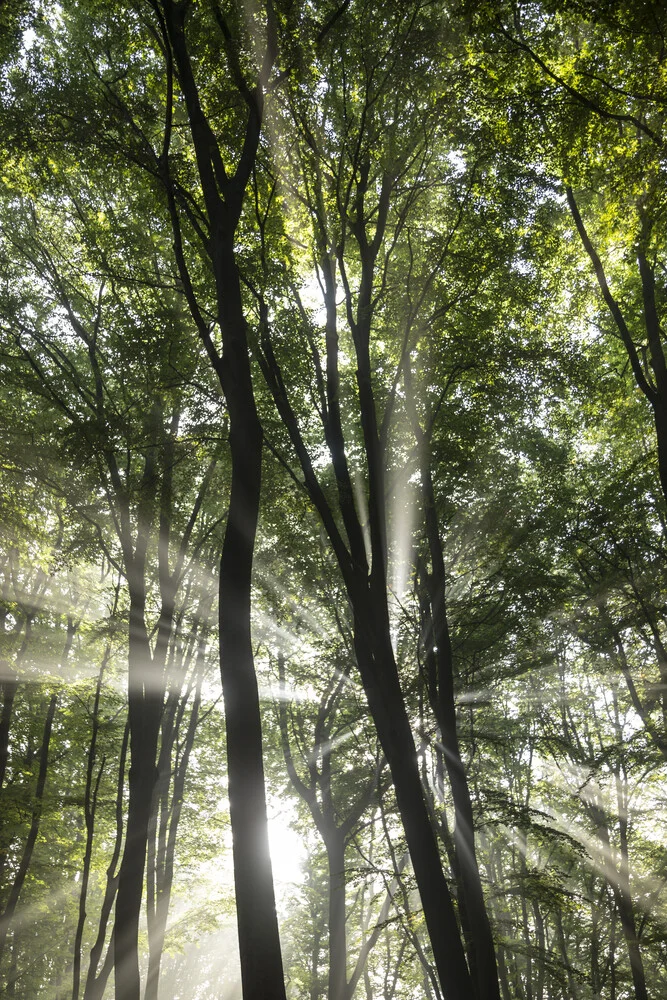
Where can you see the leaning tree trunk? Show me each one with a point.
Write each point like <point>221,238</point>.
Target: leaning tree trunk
<point>482,950</point>
<point>379,675</point>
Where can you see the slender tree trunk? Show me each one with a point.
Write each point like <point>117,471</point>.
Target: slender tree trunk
<point>89,807</point>
<point>13,972</point>
<point>380,680</point>
<point>369,942</point>
<point>259,941</point>
<point>95,985</point>
<point>8,686</point>
<point>145,699</point>
<point>613,984</point>
<point>528,945</point>
<point>478,931</point>
<point>142,778</point>
<point>562,946</point>
<point>165,876</point>
<point>335,847</point>
<point>541,952</point>
<point>619,882</point>
<point>26,858</point>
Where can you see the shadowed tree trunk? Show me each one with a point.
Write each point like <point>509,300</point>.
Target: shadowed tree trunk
<point>38,801</point>
<point>8,686</point>
<point>166,816</point>
<point>223,196</point>
<point>89,810</point>
<point>96,983</point>
<point>26,857</point>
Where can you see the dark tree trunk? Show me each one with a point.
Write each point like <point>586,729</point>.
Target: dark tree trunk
<point>8,686</point>
<point>96,984</point>
<point>259,941</point>
<point>131,876</point>
<point>26,858</point>
<point>165,862</point>
<point>89,808</point>
<point>145,700</point>
<point>379,675</point>
<point>261,959</point>
<point>478,927</point>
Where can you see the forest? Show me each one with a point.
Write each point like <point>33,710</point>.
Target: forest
<point>333,500</point>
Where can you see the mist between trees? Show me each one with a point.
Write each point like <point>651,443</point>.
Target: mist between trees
<point>333,486</point>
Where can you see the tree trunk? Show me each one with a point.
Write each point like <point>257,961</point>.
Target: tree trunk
<point>89,808</point>
<point>478,930</point>
<point>259,941</point>
<point>6,918</point>
<point>619,882</point>
<point>165,874</point>
<point>379,674</point>
<point>335,847</point>
<point>95,985</point>
<point>145,698</point>
<point>8,686</point>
